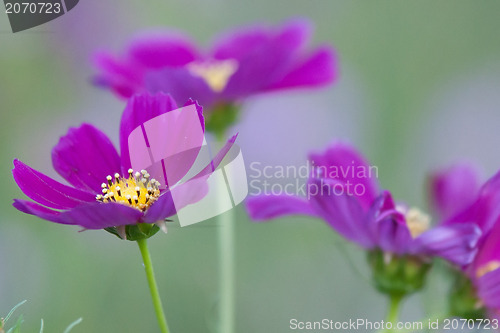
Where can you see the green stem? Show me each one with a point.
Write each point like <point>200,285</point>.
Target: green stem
<point>226,274</point>
<point>153,287</point>
<point>393,313</point>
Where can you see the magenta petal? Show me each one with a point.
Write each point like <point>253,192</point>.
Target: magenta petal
<point>318,69</point>
<point>485,210</point>
<point>488,289</point>
<point>42,212</point>
<point>46,190</point>
<point>341,211</point>
<point>140,109</point>
<point>162,49</point>
<point>210,168</point>
<point>390,227</point>
<point>456,243</point>
<point>489,248</point>
<point>161,209</point>
<point>84,157</point>
<point>264,56</point>
<point>117,74</point>
<point>453,189</point>
<point>180,84</point>
<point>99,215</point>
<point>265,207</point>
<point>344,163</point>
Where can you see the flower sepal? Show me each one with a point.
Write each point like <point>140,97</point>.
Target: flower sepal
<point>397,275</point>
<point>221,117</point>
<point>463,300</point>
<point>134,232</point>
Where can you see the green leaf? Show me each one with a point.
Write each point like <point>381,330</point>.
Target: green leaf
<point>17,327</point>
<point>12,311</point>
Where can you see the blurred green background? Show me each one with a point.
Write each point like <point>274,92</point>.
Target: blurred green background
<point>419,88</point>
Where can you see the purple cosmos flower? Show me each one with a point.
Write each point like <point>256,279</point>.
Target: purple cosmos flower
<point>343,191</point>
<point>104,191</point>
<point>459,199</point>
<point>239,63</point>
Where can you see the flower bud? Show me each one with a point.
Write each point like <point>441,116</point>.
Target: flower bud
<point>397,275</point>
<point>463,301</point>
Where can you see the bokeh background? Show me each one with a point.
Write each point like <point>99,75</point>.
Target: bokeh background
<point>419,88</point>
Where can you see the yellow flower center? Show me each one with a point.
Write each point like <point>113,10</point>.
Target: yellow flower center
<point>488,267</point>
<point>417,221</point>
<point>138,190</point>
<point>216,73</point>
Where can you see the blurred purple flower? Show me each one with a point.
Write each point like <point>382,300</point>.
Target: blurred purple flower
<point>484,272</point>
<point>104,191</point>
<point>453,188</point>
<point>344,192</point>
<point>239,64</point>
<point>459,200</point>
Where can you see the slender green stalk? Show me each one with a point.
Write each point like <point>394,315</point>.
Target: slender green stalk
<point>393,313</point>
<point>226,274</point>
<point>226,236</point>
<point>153,287</point>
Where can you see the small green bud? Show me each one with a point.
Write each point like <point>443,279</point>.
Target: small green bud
<point>135,232</point>
<point>463,301</point>
<point>397,276</point>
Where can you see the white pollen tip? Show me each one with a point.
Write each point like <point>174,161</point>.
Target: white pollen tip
<point>118,188</point>
<point>111,194</point>
<point>135,198</point>
<point>137,188</point>
<point>109,177</point>
<point>103,185</point>
<point>130,171</point>
<point>137,174</point>
<point>128,197</point>
<point>117,175</point>
<point>104,191</point>
<point>144,172</point>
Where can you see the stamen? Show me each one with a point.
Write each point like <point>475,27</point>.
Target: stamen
<point>138,190</point>
<point>417,221</point>
<point>488,267</point>
<point>215,73</point>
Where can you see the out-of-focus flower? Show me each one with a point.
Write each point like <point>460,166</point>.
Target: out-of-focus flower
<point>105,193</point>
<point>239,64</point>
<point>453,188</point>
<point>475,291</point>
<point>343,191</point>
